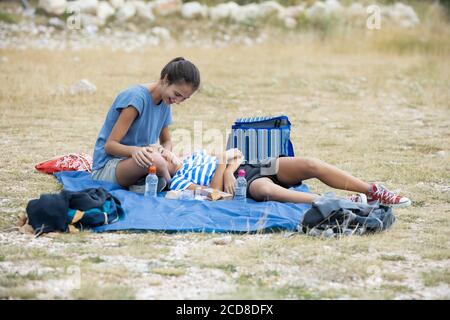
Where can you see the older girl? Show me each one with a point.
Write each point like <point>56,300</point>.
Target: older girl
<point>138,117</point>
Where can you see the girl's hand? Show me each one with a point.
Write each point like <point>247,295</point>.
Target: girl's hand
<point>166,154</point>
<point>170,156</point>
<point>228,182</point>
<point>232,154</point>
<point>143,157</point>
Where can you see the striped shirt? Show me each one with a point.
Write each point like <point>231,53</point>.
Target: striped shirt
<point>198,169</point>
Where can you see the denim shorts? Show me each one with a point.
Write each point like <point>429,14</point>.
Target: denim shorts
<point>108,172</point>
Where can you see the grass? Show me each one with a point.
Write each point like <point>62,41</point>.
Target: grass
<point>436,277</point>
<point>374,104</point>
<point>392,258</point>
<point>106,292</point>
<point>169,272</point>
<point>7,17</point>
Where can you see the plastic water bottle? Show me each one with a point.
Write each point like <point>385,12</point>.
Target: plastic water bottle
<point>240,190</point>
<point>151,182</point>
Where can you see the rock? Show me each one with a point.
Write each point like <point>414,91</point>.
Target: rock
<point>127,11</point>
<point>314,232</point>
<point>161,33</point>
<point>291,12</point>
<point>194,10</point>
<point>105,10</point>
<point>248,42</point>
<point>56,22</point>
<point>268,8</point>
<point>356,10</point>
<point>166,7</point>
<point>89,21</point>
<point>247,12</point>
<point>56,7</point>
<point>320,10</point>
<point>402,14</point>
<point>144,10</point>
<point>328,233</point>
<point>441,154</point>
<point>222,241</point>
<point>223,10</point>
<point>317,10</point>
<point>82,87</point>
<point>334,6</point>
<point>85,6</point>
<point>92,29</point>
<point>290,23</point>
<point>29,12</point>
<point>5,59</point>
<point>116,3</point>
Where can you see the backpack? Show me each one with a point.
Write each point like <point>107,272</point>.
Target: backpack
<point>259,138</point>
<point>73,210</point>
<point>334,217</point>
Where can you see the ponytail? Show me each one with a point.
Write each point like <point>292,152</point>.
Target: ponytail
<point>180,70</point>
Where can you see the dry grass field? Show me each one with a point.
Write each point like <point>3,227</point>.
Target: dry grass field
<point>374,103</point>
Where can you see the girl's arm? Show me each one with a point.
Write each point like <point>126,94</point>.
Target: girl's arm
<point>113,145</point>
<point>229,162</point>
<point>165,140</point>
<point>217,180</point>
<point>228,176</point>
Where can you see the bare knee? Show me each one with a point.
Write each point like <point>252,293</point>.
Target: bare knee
<point>261,190</point>
<point>312,166</point>
<point>128,172</point>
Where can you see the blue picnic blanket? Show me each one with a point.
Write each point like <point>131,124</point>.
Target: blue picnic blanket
<point>160,214</point>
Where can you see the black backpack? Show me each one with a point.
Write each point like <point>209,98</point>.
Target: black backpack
<point>334,217</point>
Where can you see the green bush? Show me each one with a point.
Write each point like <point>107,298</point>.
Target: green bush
<point>7,17</point>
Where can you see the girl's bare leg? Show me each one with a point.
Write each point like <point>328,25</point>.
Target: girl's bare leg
<point>293,170</point>
<point>264,189</point>
<point>128,172</point>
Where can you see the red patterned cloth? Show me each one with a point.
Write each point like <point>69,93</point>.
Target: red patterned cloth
<point>69,162</point>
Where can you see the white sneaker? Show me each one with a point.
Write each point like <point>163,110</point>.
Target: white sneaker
<point>358,198</point>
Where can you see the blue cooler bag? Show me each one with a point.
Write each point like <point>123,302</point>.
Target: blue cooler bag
<point>260,138</point>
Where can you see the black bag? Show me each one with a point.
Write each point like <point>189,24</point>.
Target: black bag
<point>331,216</point>
<point>82,209</point>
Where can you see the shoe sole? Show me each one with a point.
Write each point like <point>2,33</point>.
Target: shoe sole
<point>363,198</point>
<point>399,205</point>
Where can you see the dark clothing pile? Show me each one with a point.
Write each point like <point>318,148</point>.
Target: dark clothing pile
<point>331,216</point>
<point>83,209</point>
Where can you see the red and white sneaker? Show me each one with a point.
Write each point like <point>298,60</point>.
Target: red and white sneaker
<point>358,198</point>
<point>385,197</point>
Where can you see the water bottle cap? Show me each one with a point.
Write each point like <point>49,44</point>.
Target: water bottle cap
<point>241,173</point>
<point>152,170</point>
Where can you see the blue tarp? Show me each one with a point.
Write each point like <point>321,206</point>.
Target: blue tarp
<point>160,214</point>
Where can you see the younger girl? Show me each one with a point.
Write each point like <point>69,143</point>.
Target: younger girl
<point>271,179</point>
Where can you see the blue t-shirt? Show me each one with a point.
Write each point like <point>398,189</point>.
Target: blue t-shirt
<point>145,129</point>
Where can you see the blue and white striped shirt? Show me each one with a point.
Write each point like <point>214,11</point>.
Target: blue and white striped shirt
<point>199,169</point>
